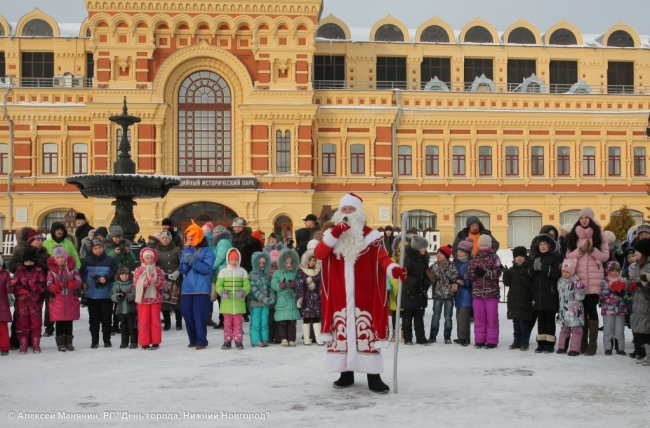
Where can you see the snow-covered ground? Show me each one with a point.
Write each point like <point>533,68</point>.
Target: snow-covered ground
<point>440,385</point>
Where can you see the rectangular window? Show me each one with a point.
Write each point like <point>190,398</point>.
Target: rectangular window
<point>518,70</point>
<point>458,161</point>
<point>329,159</point>
<point>357,159</point>
<point>512,161</point>
<point>329,72</point>
<point>90,68</point>
<point>475,67</point>
<point>80,159</point>
<point>485,161</point>
<point>639,161</point>
<point>283,152</point>
<point>435,67</point>
<point>3,70</point>
<point>4,165</point>
<point>431,160</point>
<point>537,161</point>
<point>588,161</point>
<point>391,73</point>
<point>563,161</point>
<point>50,158</point>
<point>404,160</point>
<point>620,77</point>
<point>614,161</point>
<point>563,74</point>
<point>37,69</point>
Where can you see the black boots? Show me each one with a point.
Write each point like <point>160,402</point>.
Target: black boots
<point>179,320</point>
<point>346,380</point>
<point>561,349</point>
<point>375,384</point>
<point>541,345</point>
<point>167,320</point>
<point>60,343</point>
<point>515,345</point>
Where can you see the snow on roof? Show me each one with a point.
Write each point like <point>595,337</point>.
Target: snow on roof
<point>66,29</point>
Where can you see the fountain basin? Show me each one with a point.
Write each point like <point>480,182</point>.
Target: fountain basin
<point>111,186</point>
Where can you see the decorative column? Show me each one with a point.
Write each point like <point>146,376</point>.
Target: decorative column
<point>248,151</point>
<point>159,149</point>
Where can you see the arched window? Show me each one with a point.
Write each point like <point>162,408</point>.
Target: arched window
<point>329,159</point>
<point>4,160</point>
<point>50,158</point>
<point>283,228</point>
<point>283,152</point>
<point>2,30</point>
<point>461,219</point>
<point>636,215</point>
<point>404,160</point>
<point>357,159</point>
<point>421,220</point>
<point>620,39</point>
<point>570,216</point>
<point>478,34</point>
<point>88,33</point>
<point>389,33</point>
<point>523,226</point>
<point>521,36</point>
<point>80,159</point>
<point>562,37</point>
<point>331,31</point>
<point>202,212</point>
<point>37,28</point>
<point>51,218</point>
<point>204,129</point>
<point>434,34</point>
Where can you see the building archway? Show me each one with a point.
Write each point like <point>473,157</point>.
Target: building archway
<point>283,228</point>
<point>201,213</point>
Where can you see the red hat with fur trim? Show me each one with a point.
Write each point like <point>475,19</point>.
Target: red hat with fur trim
<point>351,200</point>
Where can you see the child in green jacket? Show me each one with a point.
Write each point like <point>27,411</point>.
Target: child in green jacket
<point>285,284</point>
<point>233,285</point>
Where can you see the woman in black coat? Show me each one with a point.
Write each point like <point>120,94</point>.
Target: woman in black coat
<point>414,292</point>
<point>544,269</point>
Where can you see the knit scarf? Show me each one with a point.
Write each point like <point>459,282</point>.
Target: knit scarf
<point>139,286</point>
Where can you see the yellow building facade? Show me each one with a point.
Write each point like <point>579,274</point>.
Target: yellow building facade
<point>268,111</point>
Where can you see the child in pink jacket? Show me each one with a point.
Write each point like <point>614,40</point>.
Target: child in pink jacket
<point>63,280</point>
<point>149,280</point>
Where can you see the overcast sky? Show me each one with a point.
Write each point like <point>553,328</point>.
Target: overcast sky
<point>590,16</point>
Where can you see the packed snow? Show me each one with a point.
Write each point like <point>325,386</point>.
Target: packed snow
<point>442,385</point>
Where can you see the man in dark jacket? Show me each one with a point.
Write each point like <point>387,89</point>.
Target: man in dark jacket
<point>83,228</point>
<point>176,238</point>
<point>474,228</point>
<point>306,234</point>
<point>243,240</point>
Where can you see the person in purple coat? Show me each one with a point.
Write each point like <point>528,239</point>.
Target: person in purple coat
<point>309,301</point>
<point>63,280</point>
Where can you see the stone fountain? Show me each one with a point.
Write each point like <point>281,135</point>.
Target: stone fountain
<point>124,185</point>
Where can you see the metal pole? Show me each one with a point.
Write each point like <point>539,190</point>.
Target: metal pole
<point>398,317</point>
<point>10,160</point>
<point>395,151</point>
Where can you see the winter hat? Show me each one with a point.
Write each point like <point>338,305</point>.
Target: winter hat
<point>116,231</point>
<point>570,265</point>
<point>219,229</point>
<point>98,243</point>
<point>80,216</point>
<point>207,227</point>
<point>29,255</point>
<point>239,222</point>
<point>101,231</point>
<point>59,251</point>
<point>519,251</point>
<point>612,265</point>
<point>418,242</point>
<point>121,271</point>
<point>258,235</point>
<point>485,240</point>
<point>643,247</point>
<point>165,234</point>
<point>148,252</point>
<point>567,227</point>
<point>275,256</point>
<point>466,246</point>
<point>351,200</point>
<point>33,235</point>
<point>643,228</point>
<point>445,251</point>
<point>611,238</point>
<point>412,231</point>
<point>588,212</point>
<point>388,228</point>
<point>91,231</point>
<point>194,232</point>
<point>232,254</point>
<point>167,222</point>
<point>628,251</point>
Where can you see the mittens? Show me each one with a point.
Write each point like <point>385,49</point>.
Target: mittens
<point>58,289</point>
<point>399,272</point>
<point>537,265</point>
<point>293,284</point>
<point>283,285</point>
<point>479,272</point>
<point>241,293</point>
<point>22,291</point>
<point>267,301</point>
<point>174,275</point>
<point>338,230</point>
<point>617,286</point>
<point>311,286</point>
<point>224,294</point>
<point>633,287</point>
<point>187,258</point>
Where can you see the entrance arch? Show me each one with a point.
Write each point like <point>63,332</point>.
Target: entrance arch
<point>202,212</point>
<point>283,228</point>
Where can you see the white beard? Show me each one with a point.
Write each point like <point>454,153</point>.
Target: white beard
<point>351,242</point>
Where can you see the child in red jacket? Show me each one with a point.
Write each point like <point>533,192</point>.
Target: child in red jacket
<point>63,280</point>
<point>149,281</point>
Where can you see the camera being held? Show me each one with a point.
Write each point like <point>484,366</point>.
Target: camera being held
<point>98,283</point>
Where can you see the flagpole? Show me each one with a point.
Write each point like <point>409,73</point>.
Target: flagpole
<point>398,317</point>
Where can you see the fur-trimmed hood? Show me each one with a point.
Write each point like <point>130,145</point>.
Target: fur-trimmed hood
<point>219,236</point>
<point>54,267</point>
<point>295,265</point>
<point>304,263</point>
<point>255,262</point>
<point>542,237</point>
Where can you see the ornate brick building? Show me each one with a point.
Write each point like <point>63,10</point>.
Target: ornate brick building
<point>270,112</point>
